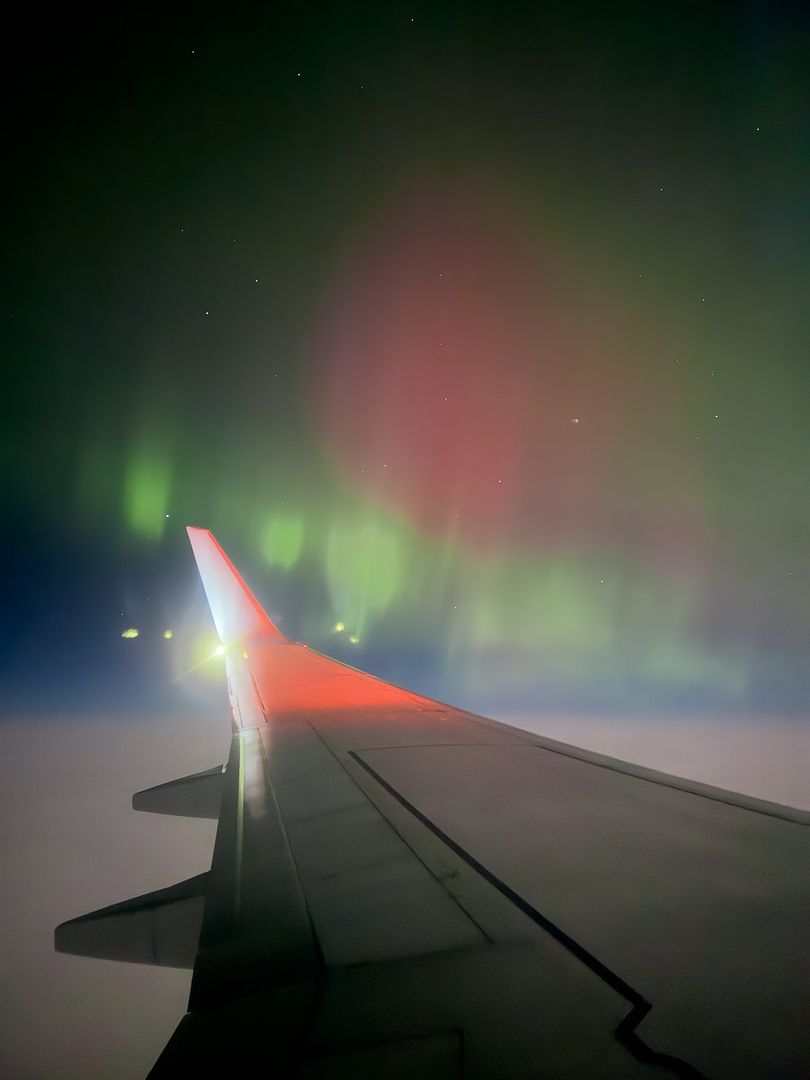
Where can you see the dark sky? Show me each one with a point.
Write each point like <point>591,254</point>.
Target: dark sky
<point>477,330</point>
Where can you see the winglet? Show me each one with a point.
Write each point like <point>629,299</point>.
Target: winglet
<point>235,610</point>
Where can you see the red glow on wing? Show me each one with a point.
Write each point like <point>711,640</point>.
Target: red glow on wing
<point>293,679</point>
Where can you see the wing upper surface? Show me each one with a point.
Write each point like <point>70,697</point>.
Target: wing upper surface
<point>398,883</point>
<point>656,878</point>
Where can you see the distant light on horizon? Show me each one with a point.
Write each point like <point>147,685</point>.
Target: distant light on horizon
<point>168,634</point>
<point>131,632</point>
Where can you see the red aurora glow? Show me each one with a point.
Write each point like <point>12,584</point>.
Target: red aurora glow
<point>464,381</point>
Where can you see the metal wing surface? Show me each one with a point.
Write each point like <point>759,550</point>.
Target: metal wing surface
<point>400,888</point>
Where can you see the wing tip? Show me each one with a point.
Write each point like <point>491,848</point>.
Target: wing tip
<point>235,610</point>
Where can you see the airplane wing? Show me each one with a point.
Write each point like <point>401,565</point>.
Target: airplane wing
<point>402,889</point>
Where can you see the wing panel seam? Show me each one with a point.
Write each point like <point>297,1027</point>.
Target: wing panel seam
<point>625,1032</point>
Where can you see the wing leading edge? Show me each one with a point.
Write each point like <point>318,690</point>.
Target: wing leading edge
<point>401,888</point>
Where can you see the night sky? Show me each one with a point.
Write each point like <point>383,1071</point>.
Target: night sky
<point>476,331</point>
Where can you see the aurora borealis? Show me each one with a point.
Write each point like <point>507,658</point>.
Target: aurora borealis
<point>481,332</point>
<point>476,332</point>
